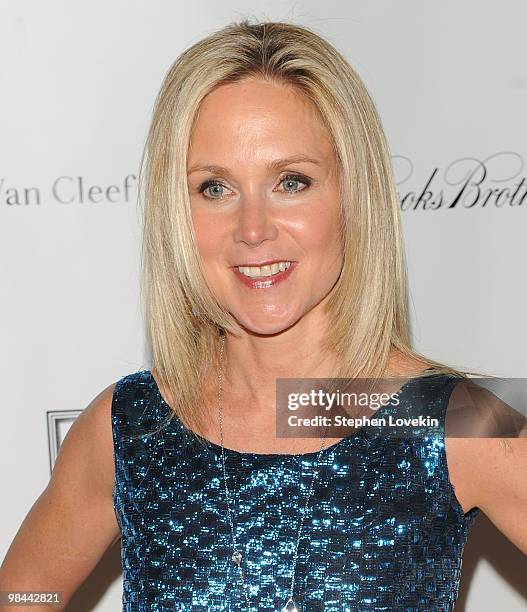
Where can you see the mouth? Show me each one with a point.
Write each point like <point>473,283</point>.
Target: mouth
<point>264,275</point>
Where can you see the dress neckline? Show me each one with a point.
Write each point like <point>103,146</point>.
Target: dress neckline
<point>360,433</point>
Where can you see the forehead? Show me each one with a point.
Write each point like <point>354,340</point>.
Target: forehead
<point>256,117</point>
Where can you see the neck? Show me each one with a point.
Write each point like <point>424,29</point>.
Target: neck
<point>252,363</point>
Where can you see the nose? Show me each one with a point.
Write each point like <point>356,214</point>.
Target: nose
<point>255,222</point>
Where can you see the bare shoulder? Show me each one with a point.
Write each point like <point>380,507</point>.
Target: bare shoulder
<point>91,433</point>
<point>463,448</point>
<point>486,448</point>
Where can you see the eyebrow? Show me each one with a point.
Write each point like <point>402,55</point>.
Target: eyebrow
<point>275,164</point>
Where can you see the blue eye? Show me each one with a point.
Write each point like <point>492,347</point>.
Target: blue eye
<point>296,178</point>
<point>211,184</point>
<point>216,189</point>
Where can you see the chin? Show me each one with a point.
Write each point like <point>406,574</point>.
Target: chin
<point>266,325</point>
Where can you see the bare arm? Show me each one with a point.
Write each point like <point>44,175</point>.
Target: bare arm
<point>491,471</point>
<point>492,476</point>
<point>72,523</point>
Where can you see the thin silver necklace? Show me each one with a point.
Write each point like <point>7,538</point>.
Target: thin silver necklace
<point>237,557</point>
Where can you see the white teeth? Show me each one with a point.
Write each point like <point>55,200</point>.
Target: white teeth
<point>262,271</point>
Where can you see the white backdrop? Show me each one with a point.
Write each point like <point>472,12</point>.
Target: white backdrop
<point>78,81</point>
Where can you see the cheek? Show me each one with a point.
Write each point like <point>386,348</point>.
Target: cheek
<point>322,244</point>
<point>208,236</point>
<point>320,231</point>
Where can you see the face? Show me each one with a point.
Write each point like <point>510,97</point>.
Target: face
<point>263,189</point>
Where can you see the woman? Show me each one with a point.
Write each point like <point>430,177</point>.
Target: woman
<point>272,249</point>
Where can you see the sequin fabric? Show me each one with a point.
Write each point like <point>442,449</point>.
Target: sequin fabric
<point>384,529</point>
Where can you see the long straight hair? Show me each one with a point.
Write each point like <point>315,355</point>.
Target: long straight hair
<point>367,307</point>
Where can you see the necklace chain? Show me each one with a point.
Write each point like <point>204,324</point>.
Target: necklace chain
<point>237,557</point>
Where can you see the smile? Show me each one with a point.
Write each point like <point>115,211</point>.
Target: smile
<point>264,271</point>
<point>264,277</point>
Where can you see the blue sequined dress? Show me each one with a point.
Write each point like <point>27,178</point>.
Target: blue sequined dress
<point>384,529</point>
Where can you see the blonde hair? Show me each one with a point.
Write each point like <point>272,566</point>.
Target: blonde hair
<point>367,307</point>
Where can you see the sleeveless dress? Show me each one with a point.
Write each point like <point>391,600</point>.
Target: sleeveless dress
<point>384,529</point>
